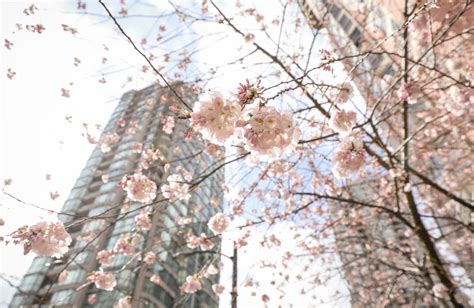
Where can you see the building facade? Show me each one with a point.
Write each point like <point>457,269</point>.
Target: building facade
<point>97,213</point>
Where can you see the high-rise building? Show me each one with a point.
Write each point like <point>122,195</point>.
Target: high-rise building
<point>97,213</point>
<point>367,38</point>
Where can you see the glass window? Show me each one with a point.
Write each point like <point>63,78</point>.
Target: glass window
<point>74,276</point>
<point>63,297</point>
<point>108,186</point>
<point>77,193</point>
<point>39,264</point>
<point>356,36</point>
<point>345,23</point>
<point>31,283</point>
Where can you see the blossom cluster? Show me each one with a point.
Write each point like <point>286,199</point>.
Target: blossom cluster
<point>45,238</point>
<point>348,157</point>
<point>139,188</point>
<point>263,129</point>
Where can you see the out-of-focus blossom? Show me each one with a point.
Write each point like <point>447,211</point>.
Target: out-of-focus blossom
<point>139,188</point>
<point>103,280</point>
<point>105,257</point>
<point>218,223</point>
<point>155,279</point>
<point>348,157</point>
<point>175,189</point>
<point>342,121</point>
<point>150,258</point>
<point>191,285</point>
<point>218,288</point>
<point>341,93</point>
<point>45,238</point>
<point>409,92</point>
<point>124,302</point>
<point>168,124</point>
<point>143,221</point>
<point>124,245</point>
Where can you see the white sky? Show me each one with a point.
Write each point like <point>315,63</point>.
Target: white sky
<point>35,138</point>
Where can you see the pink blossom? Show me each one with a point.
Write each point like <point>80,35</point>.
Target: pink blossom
<point>342,121</point>
<point>341,93</point>
<point>143,221</point>
<point>269,132</point>
<point>103,280</point>
<point>124,245</point>
<point>91,299</point>
<point>211,271</point>
<point>218,223</point>
<point>137,147</point>
<point>150,258</point>
<point>45,238</point>
<point>105,257</point>
<point>348,158</point>
<point>139,188</point>
<point>409,92</point>
<point>175,190</point>
<point>215,118</point>
<point>54,195</point>
<point>63,276</point>
<point>218,288</point>
<point>105,178</point>
<point>440,290</point>
<point>124,302</point>
<point>205,243</point>
<point>155,279</point>
<point>168,124</point>
<point>106,140</point>
<point>247,93</point>
<point>191,285</point>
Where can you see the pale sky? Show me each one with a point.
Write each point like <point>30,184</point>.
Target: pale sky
<point>36,139</point>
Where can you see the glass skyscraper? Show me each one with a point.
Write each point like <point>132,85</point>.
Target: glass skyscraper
<point>97,213</point>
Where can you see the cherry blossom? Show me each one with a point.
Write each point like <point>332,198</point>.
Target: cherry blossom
<point>409,92</point>
<point>150,258</point>
<point>348,157</point>
<point>155,279</point>
<point>218,288</point>
<point>191,285</point>
<point>105,257</point>
<point>107,140</point>
<point>124,245</point>
<point>139,188</point>
<point>168,124</point>
<point>269,132</point>
<point>218,223</point>
<point>124,302</point>
<point>103,280</point>
<point>176,189</point>
<point>45,238</point>
<point>440,290</point>
<point>214,117</point>
<point>247,93</point>
<point>341,93</point>
<point>92,299</point>
<point>63,276</point>
<point>342,121</point>
<point>143,221</point>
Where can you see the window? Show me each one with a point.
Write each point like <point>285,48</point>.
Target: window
<point>356,36</point>
<point>31,283</point>
<point>39,264</point>
<point>375,59</point>
<point>63,297</point>
<point>345,23</point>
<point>335,11</point>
